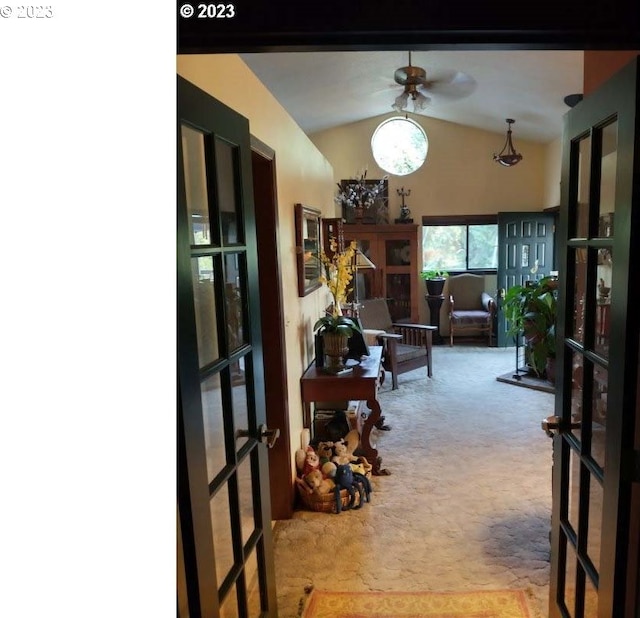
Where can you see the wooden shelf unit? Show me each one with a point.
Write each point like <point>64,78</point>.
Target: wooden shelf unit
<point>394,251</point>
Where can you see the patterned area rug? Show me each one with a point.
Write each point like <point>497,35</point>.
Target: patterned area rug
<point>483,604</point>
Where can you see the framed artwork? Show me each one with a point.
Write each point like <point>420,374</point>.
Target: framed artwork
<point>308,247</point>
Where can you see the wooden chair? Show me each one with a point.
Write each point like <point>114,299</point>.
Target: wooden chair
<point>471,308</point>
<point>406,346</point>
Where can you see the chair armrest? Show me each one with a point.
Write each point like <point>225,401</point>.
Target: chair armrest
<point>415,334</point>
<point>390,336</point>
<point>423,327</point>
<point>487,302</point>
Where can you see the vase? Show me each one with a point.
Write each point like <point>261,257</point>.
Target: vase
<point>335,347</point>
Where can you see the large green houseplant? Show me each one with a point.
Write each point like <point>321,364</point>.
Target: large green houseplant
<point>531,310</point>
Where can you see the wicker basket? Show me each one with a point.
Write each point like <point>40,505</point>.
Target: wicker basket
<point>324,503</point>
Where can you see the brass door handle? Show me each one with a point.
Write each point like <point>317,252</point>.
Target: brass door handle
<point>265,435</point>
<point>555,423</point>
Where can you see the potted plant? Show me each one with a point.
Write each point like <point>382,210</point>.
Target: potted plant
<point>334,327</point>
<point>434,280</point>
<point>531,309</point>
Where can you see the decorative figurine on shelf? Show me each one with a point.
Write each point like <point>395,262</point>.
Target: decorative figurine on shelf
<point>405,213</point>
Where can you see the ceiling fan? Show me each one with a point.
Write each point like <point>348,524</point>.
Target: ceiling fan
<point>450,85</point>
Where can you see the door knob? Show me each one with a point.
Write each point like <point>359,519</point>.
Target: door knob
<point>265,435</point>
<point>268,436</point>
<point>555,423</point>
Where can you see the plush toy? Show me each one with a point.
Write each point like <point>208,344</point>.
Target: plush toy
<point>325,453</point>
<point>345,480</point>
<point>318,483</point>
<point>342,455</point>
<point>311,462</point>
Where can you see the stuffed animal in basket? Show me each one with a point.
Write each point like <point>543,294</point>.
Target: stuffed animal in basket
<point>344,453</point>
<point>307,460</point>
<point>318,483</point>
<point>346,479</point>
<point>325,452</point>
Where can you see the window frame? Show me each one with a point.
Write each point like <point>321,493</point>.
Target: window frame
<point>466,220</point>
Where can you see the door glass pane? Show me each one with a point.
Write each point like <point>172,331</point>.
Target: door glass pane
<point>580,283</point>
<point>239,394</point>
<point>574,490</point>
<point>195,179</point>
<point>603,307</point>
<point>235,278</point>
<point>595,521</point>
<point>608,179</point>
<point>245,497</point>
<point>253,585</point>
<point>399,293</point>
<point>397,252</point>
<point>228,179</point>
<point>590,601</point>
<point>570,580</point>
<point>599,414</point>
<point>213,425</point>
<point>204,299</point>
<point>229,607</point>
<point>524,256</point>
<point>584,175</point>
<point>577,369</point>
<point>221,525</point>
<point>181,575</point>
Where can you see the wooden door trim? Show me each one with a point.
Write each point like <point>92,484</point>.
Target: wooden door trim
<point>263,159</point>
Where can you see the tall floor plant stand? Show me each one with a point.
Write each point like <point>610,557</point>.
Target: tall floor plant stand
<point>435,303</point>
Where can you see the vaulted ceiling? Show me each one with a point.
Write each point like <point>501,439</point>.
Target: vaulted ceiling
<point>322,90</point>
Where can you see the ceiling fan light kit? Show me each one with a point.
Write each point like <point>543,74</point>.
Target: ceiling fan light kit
<point>449,85</point>
<point>508,155</point>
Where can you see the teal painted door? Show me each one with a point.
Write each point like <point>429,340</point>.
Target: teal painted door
<point>525,253</point>
<point>225,554</point>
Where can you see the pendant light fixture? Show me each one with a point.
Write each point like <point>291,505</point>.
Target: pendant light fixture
<point>508,155</point>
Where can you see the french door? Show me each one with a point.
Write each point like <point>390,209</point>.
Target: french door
<point>595,447</point>
<point>225,555</point>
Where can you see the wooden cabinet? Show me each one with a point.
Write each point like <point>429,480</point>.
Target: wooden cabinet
<point>394,251</point>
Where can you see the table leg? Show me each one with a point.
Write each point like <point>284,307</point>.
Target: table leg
<point>368,450</point>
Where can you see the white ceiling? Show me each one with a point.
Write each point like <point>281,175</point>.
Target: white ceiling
<point>326,89</point>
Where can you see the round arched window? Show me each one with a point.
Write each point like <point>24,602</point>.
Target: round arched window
<point>399,145</point>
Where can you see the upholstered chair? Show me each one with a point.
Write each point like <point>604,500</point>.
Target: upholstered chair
<point>406,346</point>
<point>471,309</point>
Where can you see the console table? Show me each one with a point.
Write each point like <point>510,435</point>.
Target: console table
<point>359,385</point>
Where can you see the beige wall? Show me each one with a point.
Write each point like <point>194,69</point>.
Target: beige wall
<point>303,175</point>
<point>459,175</point>
<point>552,173</point>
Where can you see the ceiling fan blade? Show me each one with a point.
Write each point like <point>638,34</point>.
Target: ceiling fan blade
<point>450,85</point>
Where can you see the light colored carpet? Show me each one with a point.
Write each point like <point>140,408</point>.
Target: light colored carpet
<point>490,604</point>
<point>466,508</point>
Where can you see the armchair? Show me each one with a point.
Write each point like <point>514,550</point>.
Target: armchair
<point>406,346</point>
<point>470,307</point>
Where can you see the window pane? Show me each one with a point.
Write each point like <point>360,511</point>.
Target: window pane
<point>444,247</point>
<point>483,246</point>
